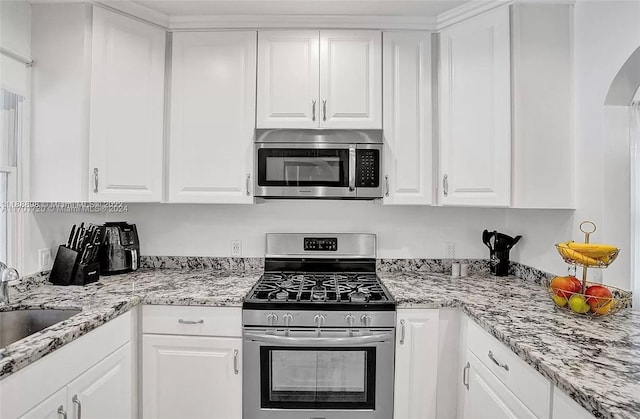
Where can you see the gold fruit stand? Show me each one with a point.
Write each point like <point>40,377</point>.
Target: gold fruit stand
<point>587,255</point>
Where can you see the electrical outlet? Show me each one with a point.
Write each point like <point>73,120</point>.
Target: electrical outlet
<point>236,248</point>
<point>450,250</point>
<point>44,257</point>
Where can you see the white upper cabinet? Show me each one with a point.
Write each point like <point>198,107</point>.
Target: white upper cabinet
<point>475,111</point>
<point>543,145</point>
<point>127,105</point>
<point>213,93</point>
<point>288,80</point>
<point>350,79</point>
<point>320,79</point>
<point>407,118</point>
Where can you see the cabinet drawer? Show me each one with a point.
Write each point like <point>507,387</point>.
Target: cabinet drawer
<point>527,384</point>
<point>193,321</point>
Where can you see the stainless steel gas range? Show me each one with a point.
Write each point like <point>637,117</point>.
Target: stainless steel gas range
<point>319,331</point>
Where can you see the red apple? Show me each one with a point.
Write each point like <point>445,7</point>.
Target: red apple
<point>566,286</point>
<point>597,296</point>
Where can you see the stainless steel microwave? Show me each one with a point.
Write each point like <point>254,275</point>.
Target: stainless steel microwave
<point>337,164</point>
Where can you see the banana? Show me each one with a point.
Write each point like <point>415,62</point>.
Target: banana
<point>571,254</point>
<point>593,250</point>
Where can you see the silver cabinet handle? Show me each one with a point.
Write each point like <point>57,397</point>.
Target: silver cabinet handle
<point>95,180</point>
<point>352,167</point>
<point>495,361</point>
<point>402,332</point>
<point>235,362</point>
<point>445,184</point>
<point>313,110</point>
<point>324,110</point>
<point>248,184</point>
<point>465,375</point>
<point>182,321</point>
<point>61,413</point>
<point>76,401</point>
<point>386,183</point>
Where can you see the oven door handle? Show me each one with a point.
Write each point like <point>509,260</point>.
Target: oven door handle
<point>347,341</point>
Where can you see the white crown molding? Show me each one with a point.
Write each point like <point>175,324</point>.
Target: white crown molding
<point>467,10</point>
<point>178,23</point>
<point>135,10</point>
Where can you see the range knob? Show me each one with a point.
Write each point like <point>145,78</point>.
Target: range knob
<point>287,318</point>
<point>272,318</point>
<point>319,319</point>
<point>365,319</point>
<point>350,319</point>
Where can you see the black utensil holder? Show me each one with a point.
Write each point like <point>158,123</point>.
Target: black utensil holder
<point>499,262</point>
<point>67,269</point>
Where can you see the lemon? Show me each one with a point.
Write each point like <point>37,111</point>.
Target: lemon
<point>603,309</point>
<point>560,301</point>
<point>578,304</point>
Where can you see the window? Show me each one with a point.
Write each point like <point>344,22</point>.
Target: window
<point>11,131</point>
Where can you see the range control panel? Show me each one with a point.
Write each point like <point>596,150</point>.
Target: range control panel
<point>367,172</point>
<point>321,244</point>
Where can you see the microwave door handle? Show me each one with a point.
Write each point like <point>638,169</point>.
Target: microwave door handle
<point>352,168</point>
<point>347,341</point>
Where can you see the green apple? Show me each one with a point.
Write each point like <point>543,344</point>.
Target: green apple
<point>578,304</point>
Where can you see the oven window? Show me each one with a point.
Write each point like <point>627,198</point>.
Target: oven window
<point>317,378</point>
<point>302,167</point>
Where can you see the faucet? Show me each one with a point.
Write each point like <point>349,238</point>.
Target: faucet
<point>6,275</point>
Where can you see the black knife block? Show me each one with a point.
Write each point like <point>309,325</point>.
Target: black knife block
<point>67,269</point>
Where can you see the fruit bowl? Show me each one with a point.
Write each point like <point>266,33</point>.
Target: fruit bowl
<point>589,303</point>
<point>587,255</point>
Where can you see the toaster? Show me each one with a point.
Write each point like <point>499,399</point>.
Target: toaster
<point>120,249</point>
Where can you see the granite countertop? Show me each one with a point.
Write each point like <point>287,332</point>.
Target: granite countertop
<point>595,361</point>
<point>115,295</point>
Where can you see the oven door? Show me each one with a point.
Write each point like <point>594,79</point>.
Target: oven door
<point>287,170</point>
<point>298,374</point>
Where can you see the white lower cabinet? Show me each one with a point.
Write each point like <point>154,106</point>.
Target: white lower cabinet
<point>487,397</point>
<point>565,407</point>
<point>416,364</point>
<point>92,377</point>
<point>191,362</point>
<point>105,390</point>
<point>55,407</point>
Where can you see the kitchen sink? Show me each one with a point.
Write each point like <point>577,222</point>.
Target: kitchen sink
<point>18,324</point>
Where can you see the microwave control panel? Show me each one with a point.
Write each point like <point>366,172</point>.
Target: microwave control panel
<point>367,172</point>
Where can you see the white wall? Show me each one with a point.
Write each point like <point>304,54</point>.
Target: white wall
<point>606,33</point>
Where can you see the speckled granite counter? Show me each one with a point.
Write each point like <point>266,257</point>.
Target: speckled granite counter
<point>595,361</point>
<point>112,296</point>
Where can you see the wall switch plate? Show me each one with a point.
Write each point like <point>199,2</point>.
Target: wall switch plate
<point>236,248</point>
<point>44,257</point>
<point>450,250</point>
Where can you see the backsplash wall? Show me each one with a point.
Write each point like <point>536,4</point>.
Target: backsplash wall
<point>403,231</point>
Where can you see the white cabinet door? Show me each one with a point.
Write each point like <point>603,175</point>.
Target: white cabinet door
<point>407,118</point>
<point>350,79</point>
<point>288,79</point>
<point>191,377</point>
<point>475,111</point>
<point>127,91</point>
<point>105,390</point>
<point>486,397</point>
<point>213,92</point>
<point>416,364</point>
<point>54,407</point>
<point>564,407</point>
